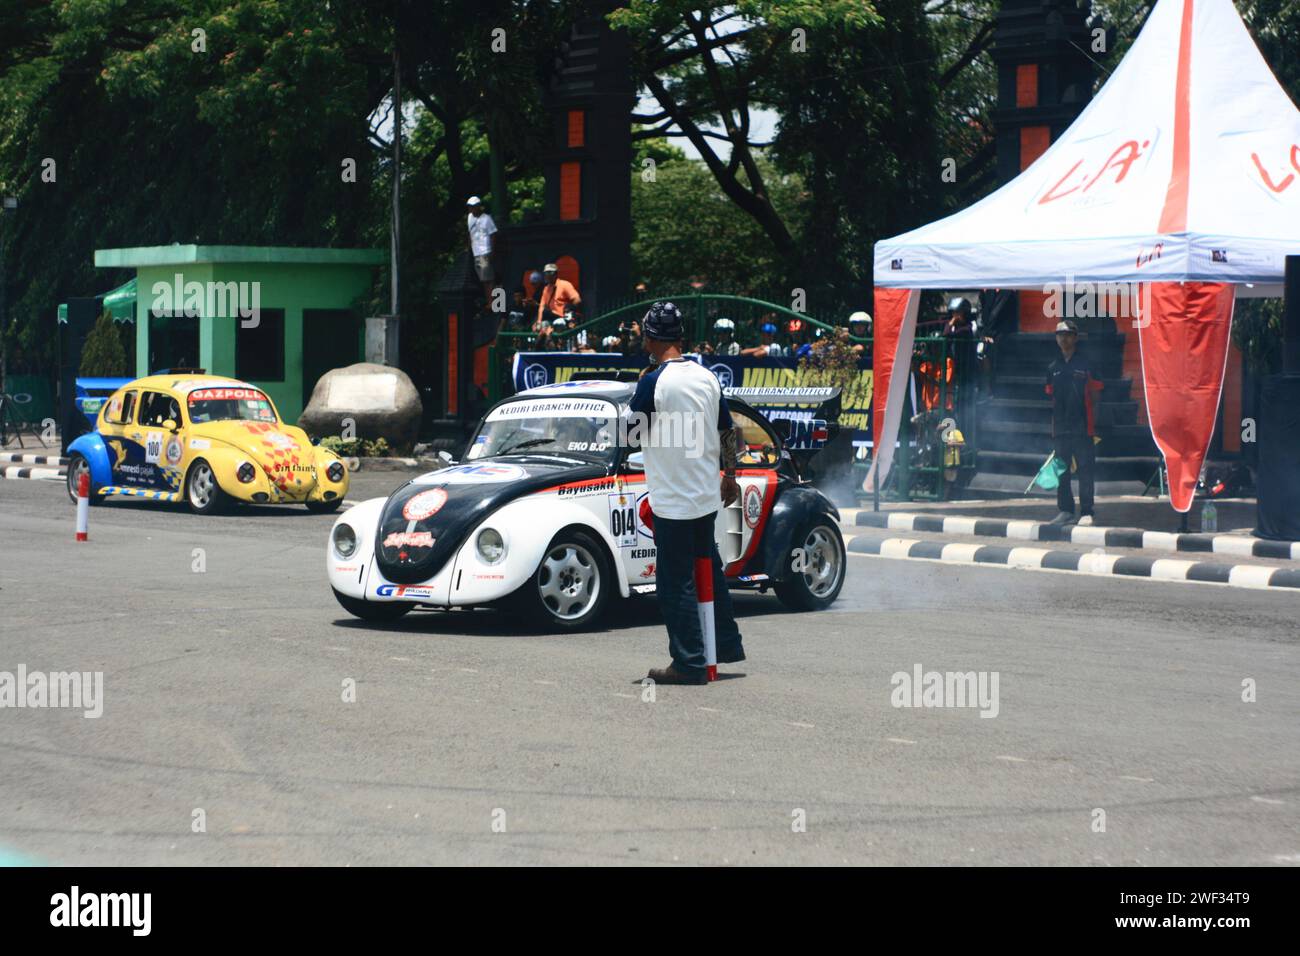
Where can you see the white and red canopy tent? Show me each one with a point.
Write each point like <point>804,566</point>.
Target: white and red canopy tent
<point>1182,174</point>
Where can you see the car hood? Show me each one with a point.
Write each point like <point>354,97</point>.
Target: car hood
<point>283,451</point>
<point>426,520</point>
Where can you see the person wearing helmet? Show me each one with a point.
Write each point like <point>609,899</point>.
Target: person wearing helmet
<point>558,297</point>
<point>685,493</point>
<point>724,335</point>
<point>768,346</point>
<point>959,324</point>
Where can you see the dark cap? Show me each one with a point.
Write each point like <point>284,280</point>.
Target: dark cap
<point>663,323</point>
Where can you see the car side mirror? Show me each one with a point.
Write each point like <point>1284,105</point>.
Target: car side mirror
<point>635,461</point>
<point>170,424</point>
<point>782,428</point>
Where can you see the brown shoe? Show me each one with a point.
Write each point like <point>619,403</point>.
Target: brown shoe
<point>671,675</point>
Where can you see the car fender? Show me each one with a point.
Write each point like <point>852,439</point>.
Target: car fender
<point>529,525</point>
<point>793,508</point>
<point>225,459</point>
<point>348,575</point>
<point>91,447</point>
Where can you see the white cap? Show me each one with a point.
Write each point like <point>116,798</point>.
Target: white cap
<point>473,201</point>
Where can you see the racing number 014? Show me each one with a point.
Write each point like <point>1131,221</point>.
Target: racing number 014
<point>622,520</point>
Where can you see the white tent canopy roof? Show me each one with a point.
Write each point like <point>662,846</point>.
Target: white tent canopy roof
<point>1185,166</point>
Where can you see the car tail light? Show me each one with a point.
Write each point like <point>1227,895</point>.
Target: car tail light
<point>335,471</point>
<point>246,472</point>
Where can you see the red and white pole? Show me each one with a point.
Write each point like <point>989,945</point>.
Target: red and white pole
<point>704,595</point>
<point>83,506</point>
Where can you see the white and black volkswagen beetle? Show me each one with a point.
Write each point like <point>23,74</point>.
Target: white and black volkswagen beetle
<point>544,514</point>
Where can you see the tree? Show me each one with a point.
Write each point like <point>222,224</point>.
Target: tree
<point>103,353</point>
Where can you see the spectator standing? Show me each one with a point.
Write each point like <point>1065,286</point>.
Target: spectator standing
<point>724,332</point>
<point>482,231</point>
<point>1071,385</point>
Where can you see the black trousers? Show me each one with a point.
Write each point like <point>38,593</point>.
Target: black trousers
<point>678,544</point>
<point>1083,451</point>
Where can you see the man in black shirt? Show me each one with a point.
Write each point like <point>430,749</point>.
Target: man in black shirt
<point>1071,384</point>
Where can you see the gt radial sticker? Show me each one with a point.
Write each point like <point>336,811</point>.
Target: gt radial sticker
<point>753,506</point>
<point>472,475</point>
<point>423,505</point>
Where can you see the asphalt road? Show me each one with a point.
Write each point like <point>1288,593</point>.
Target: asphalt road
<point>223,694</point>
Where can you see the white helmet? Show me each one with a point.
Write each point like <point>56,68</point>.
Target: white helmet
<point>860,317</point>
<point>724,325</point>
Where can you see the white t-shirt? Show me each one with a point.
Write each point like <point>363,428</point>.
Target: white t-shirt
<point>681,446</point>
<point>481,229</point>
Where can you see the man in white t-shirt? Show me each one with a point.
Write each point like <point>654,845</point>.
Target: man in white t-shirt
<point>481,244</point>
<point>688,436</point>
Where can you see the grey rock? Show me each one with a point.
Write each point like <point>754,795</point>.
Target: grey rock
<point>381,402</point>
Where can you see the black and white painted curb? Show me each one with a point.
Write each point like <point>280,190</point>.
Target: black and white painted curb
<point>1234,544</point>
<point>40,467</point>
<point>1040,559</point>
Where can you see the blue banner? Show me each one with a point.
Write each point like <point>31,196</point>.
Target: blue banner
<point>534,369</point>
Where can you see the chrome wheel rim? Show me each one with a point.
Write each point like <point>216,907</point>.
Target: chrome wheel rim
<point>568,581</point>
<point>78,468</point>
<point>825,562</point>
<point>201,486</point>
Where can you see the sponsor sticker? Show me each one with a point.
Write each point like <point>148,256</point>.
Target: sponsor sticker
<point>200,443</point>
<point>404,591</point>
<point>409,539</point>
<point>174,451</point>
<point>153,446</point>
<point>753,506</point>
<point>250,395</point>
<point>423,505</point>
<point>473,474</point>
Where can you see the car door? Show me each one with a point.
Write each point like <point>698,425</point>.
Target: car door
<point>117,427</point>
<point>739,525</point>
<point>157,431</point>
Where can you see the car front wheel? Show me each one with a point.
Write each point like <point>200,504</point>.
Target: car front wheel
<point>375,611</point>
<point>818,572</point>
<point>572,584</point>
<point>204,495</point>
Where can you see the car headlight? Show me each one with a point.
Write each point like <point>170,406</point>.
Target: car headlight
<point>345,540</point>
<point>335,472</point>
<point>491,546</point>
<point>246,472</point>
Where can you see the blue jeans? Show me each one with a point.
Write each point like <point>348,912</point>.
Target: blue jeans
<point>678,544</point>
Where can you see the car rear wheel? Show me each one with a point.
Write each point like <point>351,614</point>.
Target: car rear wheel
<point>77,466</point>
<point>375,611</point>
<point>572,584</point>
<point>204,495</point>
<point>819,574</point>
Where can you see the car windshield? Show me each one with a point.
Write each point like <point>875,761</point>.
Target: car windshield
<point>572,428</point>
<point>229,403</point>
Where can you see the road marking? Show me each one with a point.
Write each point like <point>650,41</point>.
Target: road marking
<point>1273,803</point>
<point>1011,759</point>
<point>900,740</point>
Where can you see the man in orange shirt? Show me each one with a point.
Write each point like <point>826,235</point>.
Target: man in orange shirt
<point>558,297</point>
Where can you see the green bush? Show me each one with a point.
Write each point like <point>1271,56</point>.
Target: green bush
<point>356,447</point>
<point>103,353</point>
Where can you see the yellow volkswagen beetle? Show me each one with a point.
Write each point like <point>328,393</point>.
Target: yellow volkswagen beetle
<point>206,440</point>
